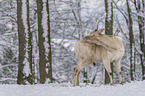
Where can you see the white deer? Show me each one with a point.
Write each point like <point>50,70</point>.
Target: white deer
<point>101,48</point>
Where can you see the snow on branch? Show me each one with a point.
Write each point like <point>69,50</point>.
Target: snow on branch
<point>3,66</point>
<point>4,79</point>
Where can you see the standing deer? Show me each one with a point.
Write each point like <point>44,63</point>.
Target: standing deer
<point>101,48</point>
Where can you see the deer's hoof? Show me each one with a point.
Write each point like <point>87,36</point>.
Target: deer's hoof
<point>111,84</point>
<point>121,83</point>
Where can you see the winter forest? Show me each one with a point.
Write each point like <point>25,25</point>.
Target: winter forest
<point>37,39</point>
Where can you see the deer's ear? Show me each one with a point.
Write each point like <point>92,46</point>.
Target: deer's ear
<point>100,31</point>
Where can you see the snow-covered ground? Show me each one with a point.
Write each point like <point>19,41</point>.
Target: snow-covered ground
<point>136,88</point>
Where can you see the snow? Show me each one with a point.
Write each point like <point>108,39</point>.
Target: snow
<point>136,88</point>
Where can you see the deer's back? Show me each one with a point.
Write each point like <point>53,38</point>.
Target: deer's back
<point>93,52</point>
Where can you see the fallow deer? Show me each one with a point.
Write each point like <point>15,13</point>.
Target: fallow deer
<point>101,48</point>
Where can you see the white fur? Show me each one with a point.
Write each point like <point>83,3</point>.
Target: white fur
<point>87,53</point>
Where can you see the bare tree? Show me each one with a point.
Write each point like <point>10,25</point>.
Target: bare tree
<point>22,42</point>
<point>25,69</point>
<point>49,75</point>
<point>30,46</point>
<point>131,39</point>
<point>45,68</point>
<point>140,8</point>
<point>108,30</point>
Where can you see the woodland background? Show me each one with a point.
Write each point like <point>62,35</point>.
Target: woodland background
<point>37,39</point>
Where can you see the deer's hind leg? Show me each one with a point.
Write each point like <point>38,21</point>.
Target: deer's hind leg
<point>82,64</point>
<point>117,65</point>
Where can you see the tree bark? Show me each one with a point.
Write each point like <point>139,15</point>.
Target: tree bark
<point>108,31</point>
<point>42,61</point>
<point>141,33</point>
<point>25,43</point>
<point>44,56</point>
<point>131,39</point>
<point>49,42</point>
<point>30,46</point>
<point>22,42</point>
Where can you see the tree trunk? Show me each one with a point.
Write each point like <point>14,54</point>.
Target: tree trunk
<point>49,42</point>
<point>31,77</point>
<point>142,44</point>
<point>22,42</point>
<point>25,43</point>
<point>45,67</point>
<point>42,61</point>
<point>131,39</point>
<point>108,30</point>
<point>141,33</point>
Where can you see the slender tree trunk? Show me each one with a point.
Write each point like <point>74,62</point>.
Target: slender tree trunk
<point>142,45</point>
<point>25,43</point>
<point>22,42</point>
<point>141,24</point>
<point>42,61</point>
<point>49,42</point>
<point>131,39</point>
<point>108,30</point>
<point>31,64</point>
<point>94,77</point>
<point>45,67</point>
<point>85,76</point>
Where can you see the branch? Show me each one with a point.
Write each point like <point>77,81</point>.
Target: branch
<point>116,19</point>
<point>120,11</point>
<point>7,65</point>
